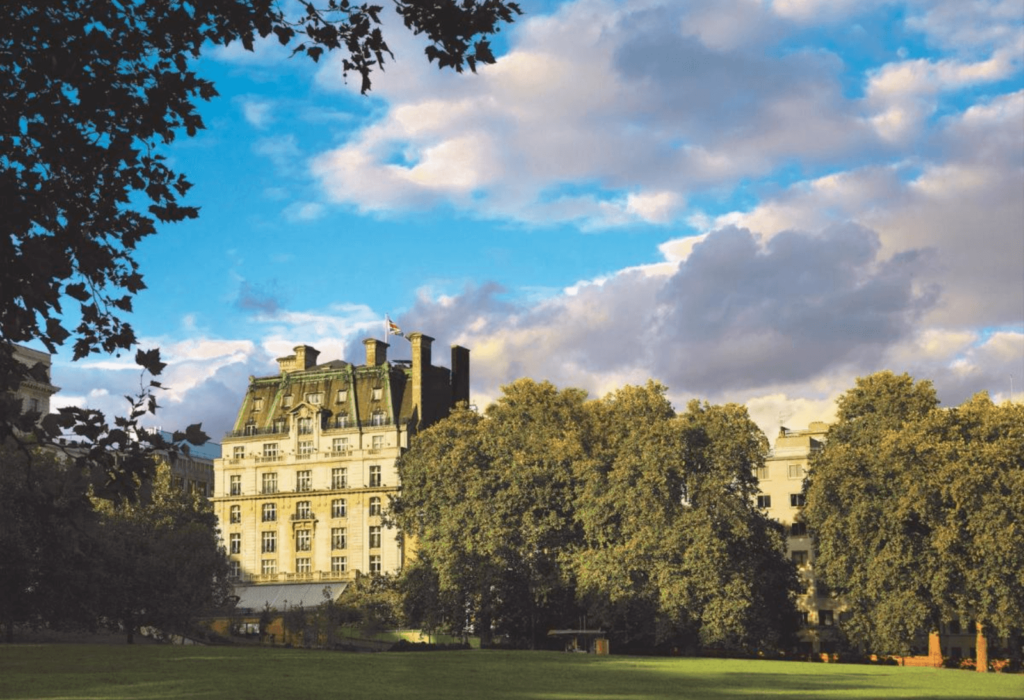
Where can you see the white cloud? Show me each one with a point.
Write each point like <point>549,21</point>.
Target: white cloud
<point>600,93</point>
<point>258,112</point>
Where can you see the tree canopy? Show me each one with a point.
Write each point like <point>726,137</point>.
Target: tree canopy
<point>913,508</point>
<point>551,506</point>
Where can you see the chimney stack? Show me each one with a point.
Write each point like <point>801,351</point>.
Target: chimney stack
<point>304,358</point>
<point>420,369</point>
<point>460,374</point>
<point>376,352</point>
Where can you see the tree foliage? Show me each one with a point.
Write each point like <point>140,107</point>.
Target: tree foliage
<point>914,510</point>
<point>160,563</point>
<point>551,507</point>
<point>90,92</point>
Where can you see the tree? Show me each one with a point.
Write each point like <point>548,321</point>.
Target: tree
<point>489,500</point>
<point>551,506</point>
<point>979,498</point>
<point>869,516</point>
<point>160,562</point>
<point>90,92</point>
<point>674,553</point>
<point>46,548</point>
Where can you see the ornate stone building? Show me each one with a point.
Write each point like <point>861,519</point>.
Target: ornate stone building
<point>306,475</point>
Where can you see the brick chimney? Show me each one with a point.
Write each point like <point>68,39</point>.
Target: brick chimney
<point>376,352</point>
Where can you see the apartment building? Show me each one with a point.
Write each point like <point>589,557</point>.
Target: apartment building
<point>781,497</point>
<point>304,483</point>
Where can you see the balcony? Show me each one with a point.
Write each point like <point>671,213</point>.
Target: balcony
<point>299,517</point>
<point>254,431</point>
<point>261,459</point>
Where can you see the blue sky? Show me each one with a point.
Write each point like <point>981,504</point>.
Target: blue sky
<point>748,200</point>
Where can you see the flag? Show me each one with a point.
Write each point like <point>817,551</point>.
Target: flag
<point>392,327</point>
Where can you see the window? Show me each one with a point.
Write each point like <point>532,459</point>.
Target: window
<point>236,514</point>
<point>375,476</point>
<point>342,395</point>
<point>304,480</point>
<point>302,511</point>
<point>339,565</point>
<point>798,529</point>
<point>250,427</point>
<point>799,557</point>
<point>235,571</point>
<point>377,418</point>
<point>302,565</point>
<point>238,452</point>
<point>339,538</point>
<point>822,590</point>
<point>257,405</point>
<point>339,478</point>
<point>315,398</point>
<point>305,426</point>
<point>375,537</point>
<point>374,563</point>
<point>796,471</point>
<point>377,442</point>
<point>270,482</point>
<point>825,618</point>
<point>803,618</point>
<point>764,501</point>
<point>954,627</point>
<point>797,499</point>
<point>269,512</point>
<point>341,421</point>
<point>236,543</point>
<point>374,506</point>
<point>269,566</point>
<point>761,473</point>
<point>287,401</point>
<point>339,445</point>
<point>303,540</point>
<point>338,508</point>
<point>269,542</point>
<point>280,425</point>
<point>305,449</point>
<point>269,450</point>
<point>236,485</point>
<point>378,393</point>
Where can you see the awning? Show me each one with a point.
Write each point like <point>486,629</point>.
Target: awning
<point>287,595</point>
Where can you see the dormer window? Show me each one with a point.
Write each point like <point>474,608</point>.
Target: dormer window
<point>316,398</point>
<point>378,393</point>
<point>342,395</point>
<point>257,405</point>
<point>305,426</point>
<point>377,418</point>
<point>287,401</point>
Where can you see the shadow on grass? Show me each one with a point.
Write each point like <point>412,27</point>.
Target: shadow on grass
<point>161,673</point>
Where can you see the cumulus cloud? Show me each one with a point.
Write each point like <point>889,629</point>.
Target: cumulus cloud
<point>739,317</point>
<point>644,102</point>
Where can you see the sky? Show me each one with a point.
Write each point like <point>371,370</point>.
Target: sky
<point>751,201</point>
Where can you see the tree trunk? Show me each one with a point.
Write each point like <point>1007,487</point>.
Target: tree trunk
<point>981,650</point>
<point>935,648</point>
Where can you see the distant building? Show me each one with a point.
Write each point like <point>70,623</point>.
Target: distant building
<point>35,391</point>
<point>782,498</point>
<point>310,465</point>
<point>193,472</point>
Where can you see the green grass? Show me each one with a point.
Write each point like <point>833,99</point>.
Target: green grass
<point>85,672</point>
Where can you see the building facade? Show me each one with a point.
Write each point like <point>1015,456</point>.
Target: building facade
<point>782,498</point>
<point>35,391</point>
<point>305,477</point>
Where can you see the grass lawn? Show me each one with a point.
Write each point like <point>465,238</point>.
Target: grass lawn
<point>80,672</point>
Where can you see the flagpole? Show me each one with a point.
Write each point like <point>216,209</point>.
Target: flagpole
<point>387,327</point>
